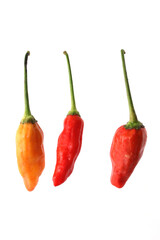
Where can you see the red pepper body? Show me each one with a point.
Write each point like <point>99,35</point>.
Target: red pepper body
<point>68,148</point>
<point>126,150</point>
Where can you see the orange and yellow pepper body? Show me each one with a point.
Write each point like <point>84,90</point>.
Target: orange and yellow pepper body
<point>30,153</point>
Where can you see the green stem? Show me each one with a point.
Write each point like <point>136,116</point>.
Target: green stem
<point>26,98</point>
<point>133,121</point>
<point>27,118</point>
<point>73,110</point>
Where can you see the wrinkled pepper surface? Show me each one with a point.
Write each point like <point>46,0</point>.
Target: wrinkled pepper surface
<point>128,142</point>
<point>29,143</point>
<point>70,140</point>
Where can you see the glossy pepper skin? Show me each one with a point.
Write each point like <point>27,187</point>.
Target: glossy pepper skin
<point>29,144</point>
<point>126,150</point>
<point>128,143</point>
<point>68,148</point>
<point>69,141</point>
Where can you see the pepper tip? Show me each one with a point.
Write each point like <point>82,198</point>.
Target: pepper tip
<point>65,53</point>
<point>122,51</point>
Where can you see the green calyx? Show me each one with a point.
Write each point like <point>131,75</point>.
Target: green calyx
<point>73,110</point>
<point>133,121</point>
<point>27,118</point>
<point>136,125</point>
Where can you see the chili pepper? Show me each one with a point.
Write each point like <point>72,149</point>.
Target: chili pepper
<point>29,143</point>
<point>128,142</point>
<point>70,140</point>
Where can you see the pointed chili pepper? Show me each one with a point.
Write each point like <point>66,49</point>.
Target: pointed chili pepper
<point>70,140</point>
<point>128,142</point>
<point>29,143</point>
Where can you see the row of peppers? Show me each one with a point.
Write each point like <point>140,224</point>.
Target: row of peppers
<point>126,149</point>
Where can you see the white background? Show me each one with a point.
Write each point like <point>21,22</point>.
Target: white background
<point>86,206</point>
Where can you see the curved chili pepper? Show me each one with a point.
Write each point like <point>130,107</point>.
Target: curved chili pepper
<point>29,143</point>
<point>128,142</point>
<point>70,140</point>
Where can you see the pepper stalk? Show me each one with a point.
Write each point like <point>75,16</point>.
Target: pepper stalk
<point>73,110</point>
<point>133,121</point>
<point>27,118</point>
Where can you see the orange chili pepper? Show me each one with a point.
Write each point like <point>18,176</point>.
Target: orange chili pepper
<point>29,143</point>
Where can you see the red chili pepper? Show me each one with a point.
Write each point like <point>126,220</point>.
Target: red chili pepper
<point>70,140</point>
<point>128,142</point>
